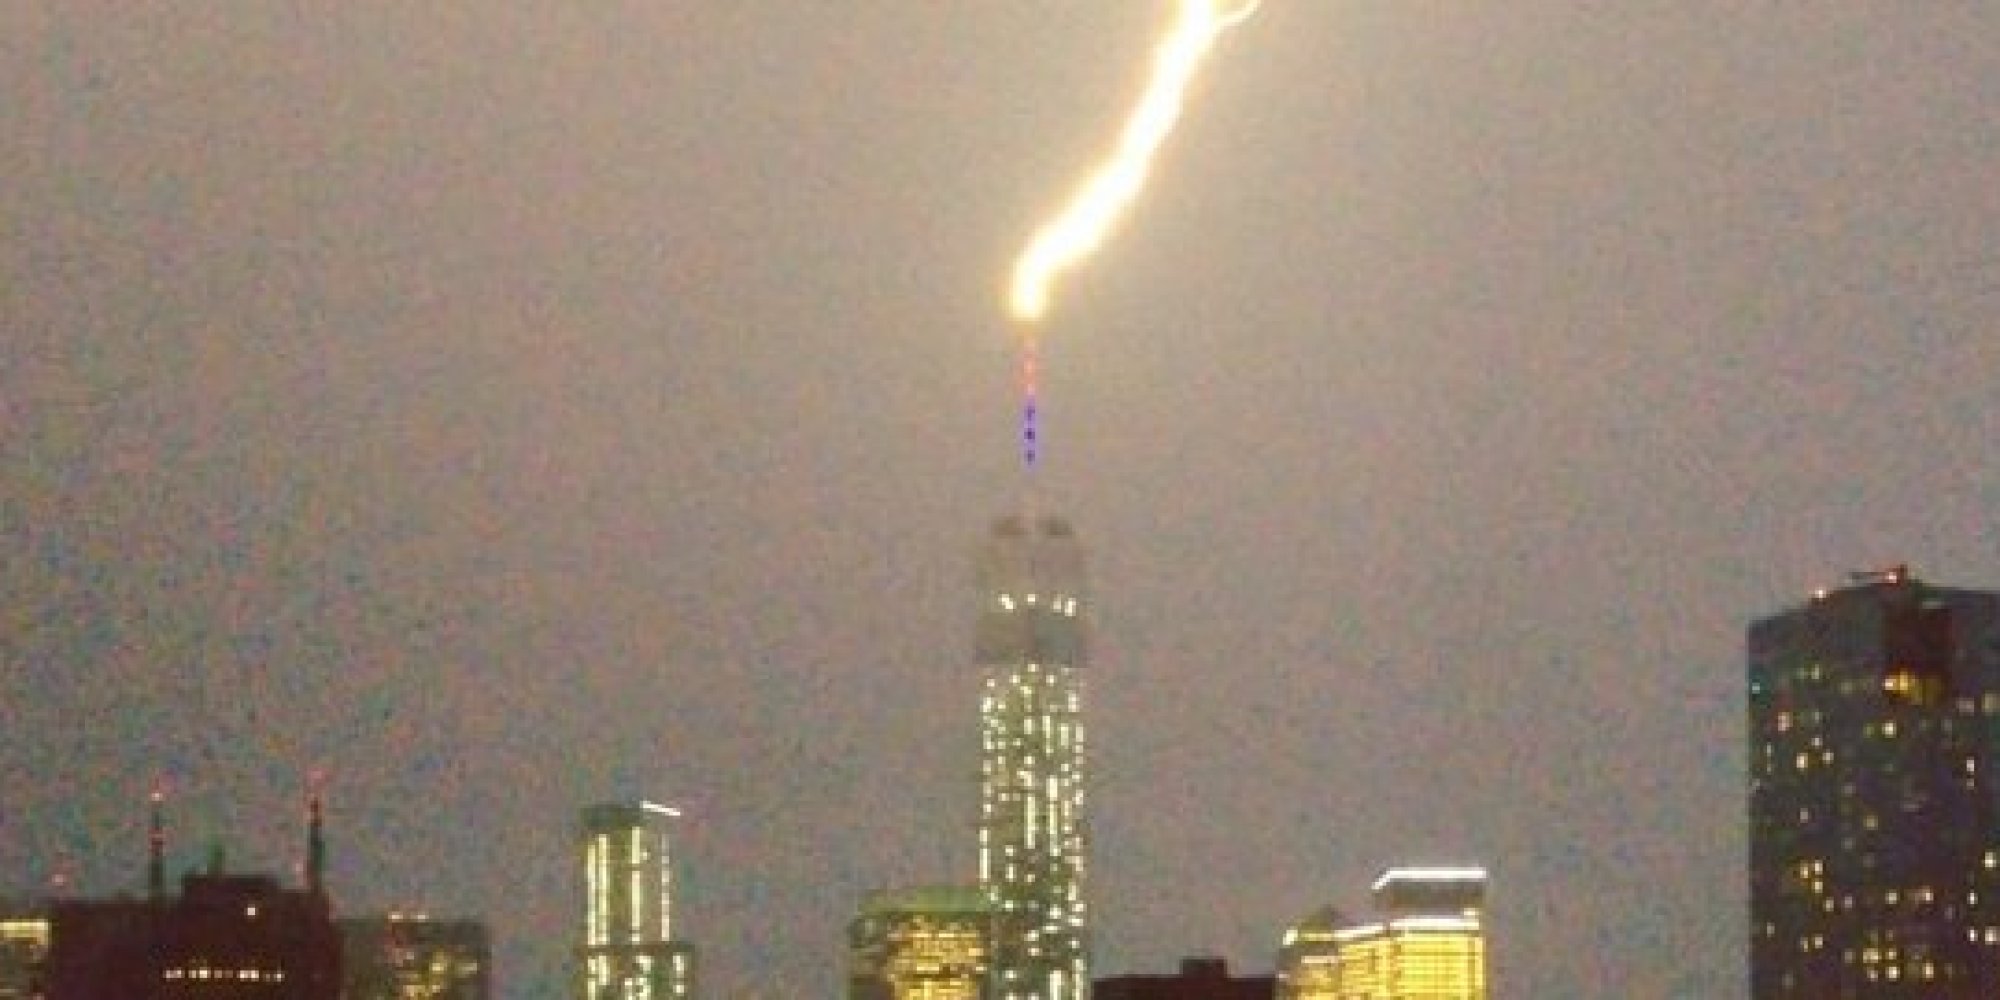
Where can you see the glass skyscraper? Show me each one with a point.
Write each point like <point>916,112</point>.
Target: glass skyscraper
<point>1874,732</point>
<point>1030,653</point>
<point>629,948</point>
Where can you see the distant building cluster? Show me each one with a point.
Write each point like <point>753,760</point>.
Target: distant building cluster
<point>234,936</point>
<point>1874,866</point>
<point>1021,931</point>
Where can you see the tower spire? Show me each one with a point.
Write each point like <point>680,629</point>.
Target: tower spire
<point>156,846</point>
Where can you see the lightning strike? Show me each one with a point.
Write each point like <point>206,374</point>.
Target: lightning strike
<point>1086,219</point>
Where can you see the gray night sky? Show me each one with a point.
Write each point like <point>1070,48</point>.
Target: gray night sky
<point>503,406</point>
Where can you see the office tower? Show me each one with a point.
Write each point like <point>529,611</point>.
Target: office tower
<point>629,948</point>
<point>1874,733</point>
<point>1199,979</point>
<point>225,937</point>
<point>925,943</point>
<point>24,942</point>
<point>413,957</point>
<point>1030,652</point>
<point>1427,942</point>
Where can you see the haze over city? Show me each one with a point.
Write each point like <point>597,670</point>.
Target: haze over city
<point>505,407</point>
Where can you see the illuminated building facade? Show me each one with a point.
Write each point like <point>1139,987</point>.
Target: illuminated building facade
<point>1030,653</point>
<point>1309,958</point>
<point>926,943</point>
<point>629,949</point>
<point>1874,733</point>
<point>410,957</point>
<point>24,943</point>
<point>1428,942</point>
<point>1199,979</point>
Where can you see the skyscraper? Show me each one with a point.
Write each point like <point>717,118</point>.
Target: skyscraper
<point>629,948</point>
<point>1030,653</point>
<point>924,943</point>
<point>1428,942</point>
<point>1874,734</point>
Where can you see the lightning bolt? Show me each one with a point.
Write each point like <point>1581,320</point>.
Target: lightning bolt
<point>1110,188</point>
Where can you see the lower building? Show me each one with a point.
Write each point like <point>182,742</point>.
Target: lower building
<point>1309,957</point>
<point>926,943</point>
<point>1199,979</point>
<point>226,937</point>
<point>24,943</point>
<point>412,957</point>
<point>1427,942</point>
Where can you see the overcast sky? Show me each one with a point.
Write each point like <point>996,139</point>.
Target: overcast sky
<point>505,406</point>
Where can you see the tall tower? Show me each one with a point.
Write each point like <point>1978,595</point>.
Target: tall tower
<point>1874,734</point>
<point>629,949</point>
<point>1030,652</point>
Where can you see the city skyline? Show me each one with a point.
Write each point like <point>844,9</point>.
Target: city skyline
<point>511,409</point>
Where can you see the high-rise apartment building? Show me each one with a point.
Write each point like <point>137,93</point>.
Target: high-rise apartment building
<point>1030,653</point>
<point>925,943</point>
<point>630,951</point>
<point>1427,942</point>
<point>414,957</point>
<point>1874,735</point>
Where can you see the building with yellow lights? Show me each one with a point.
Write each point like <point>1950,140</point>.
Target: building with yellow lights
<point>1874,817</point>
<point>24,943</point>
<point>926,943</point>
<point>1426,942</point>
<point>630,950</point>
<point>1030,649</point>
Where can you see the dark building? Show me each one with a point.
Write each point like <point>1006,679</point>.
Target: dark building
<point>400,956</point>
<point>1874,737</point>
<point>225,937</point>
<point>1199,979</point>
